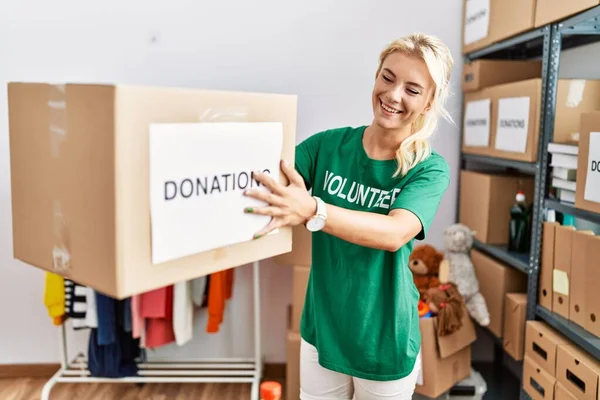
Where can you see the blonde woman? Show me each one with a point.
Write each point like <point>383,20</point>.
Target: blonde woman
<point>375,189</point>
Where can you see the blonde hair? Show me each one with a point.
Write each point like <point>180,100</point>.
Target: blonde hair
<point>439,61</point>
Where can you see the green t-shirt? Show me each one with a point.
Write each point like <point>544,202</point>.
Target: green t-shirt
<point>361,305</point>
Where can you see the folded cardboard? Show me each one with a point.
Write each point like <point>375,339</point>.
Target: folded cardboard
<point>301,253</point>
<point>542,343</point>
<point>548,11</point>
<point>587,193</point>
<point>299,284</point>
<point>495,281</point>
<point>515,311</point>
<point>537,382</point>
<point>292,371</point>
<point>489,21</point>
<point>583,241</point>
<point>592,294</point>
<point>578,372</point>
<point>446,359</point>
<point>81,199</point>
<point>485,201</point>
<point>561,393</point>
<point>547,264</point>
<point>483,73</point>
<point>563,246</point>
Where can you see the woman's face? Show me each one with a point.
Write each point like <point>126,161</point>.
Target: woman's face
<point>402,91</point>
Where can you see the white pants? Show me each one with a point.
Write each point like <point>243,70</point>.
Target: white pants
<point>318,383</point>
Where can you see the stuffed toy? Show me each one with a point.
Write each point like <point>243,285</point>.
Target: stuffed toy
<point>424,262</point>
<point>446,302</point>
<point>458,241</point>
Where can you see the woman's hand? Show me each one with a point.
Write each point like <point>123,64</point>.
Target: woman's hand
<point>288,205</point>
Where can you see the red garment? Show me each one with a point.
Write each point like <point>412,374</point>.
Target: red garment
<point>157,309</point>
<point>220,290</point>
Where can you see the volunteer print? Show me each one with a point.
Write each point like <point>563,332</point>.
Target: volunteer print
<point>357,193</point>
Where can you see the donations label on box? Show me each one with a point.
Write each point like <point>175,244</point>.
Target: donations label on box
<point>198,175</point>
<point>592,184</point>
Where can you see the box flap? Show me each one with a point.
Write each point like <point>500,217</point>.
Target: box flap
<point>451,344</point>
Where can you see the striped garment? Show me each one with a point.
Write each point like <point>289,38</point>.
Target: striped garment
<point>75,303</point>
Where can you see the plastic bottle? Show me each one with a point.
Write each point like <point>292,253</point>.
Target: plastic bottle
<point>270,390</point>
<point>518,232</point>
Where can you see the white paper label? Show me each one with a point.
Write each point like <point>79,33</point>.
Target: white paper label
<point>477,20</point>
<point>477,123</point>
<point>592,181</point>
<point>198,174</point>
<point>575,93</point>
<point>513,124</point>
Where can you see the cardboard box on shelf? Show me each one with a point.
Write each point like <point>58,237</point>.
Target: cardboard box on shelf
<point>587,193</point>
<point>301,253</point>
<point>292,372</point>
<point>489,21</point>
<point>563,246</point>
<point>537,382</point>
<point>578,372</point>
<point>477,124</point>
<point>495,281</point>
<point>485,201</point>
<point>88,163</point>
<point>446,359</point>
<point>513,338</point>
<point>299,284</point>
<point>484,73</point>
<point>592,277</point>
<point>541,345</point>
<point>548,11</point>
<point>561,393</point>
<point>547,264</point>
<point>583,241</point>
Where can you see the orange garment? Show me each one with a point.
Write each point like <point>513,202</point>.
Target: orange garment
<point>220,289</point>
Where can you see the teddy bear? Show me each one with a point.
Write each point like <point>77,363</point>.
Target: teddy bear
<point>458,241</point>
<point>424,262</point>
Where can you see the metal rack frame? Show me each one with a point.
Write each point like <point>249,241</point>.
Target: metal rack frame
<point>233,370</point>
<point>546,42</point>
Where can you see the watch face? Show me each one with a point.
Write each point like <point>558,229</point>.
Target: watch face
<point>315,224</point>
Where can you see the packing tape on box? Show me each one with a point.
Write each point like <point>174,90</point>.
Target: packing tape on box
<point>575,93</point>
<point>57,129</point>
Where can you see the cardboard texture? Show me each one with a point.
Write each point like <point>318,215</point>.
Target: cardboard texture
<point>547,264</point>
<point>581,248</point>
<point>292,372</point>
<point>446,360</point>
<point>538,383</point>
<point>541,345</point>
<point>513,338</point>
<point>563,246</point>
<point>495,281</point>
<point>578,372</point>
<point>590,122</point>
<point>481,74</point>
<point>301,253</point>
<point>506,18</point>
<point>300,282</point>
<point>592,294</point>
<point>97,176</point>
<point>573,97</point>
<point>561,393</point>
<point>485,201</point>
<point>548,11</point>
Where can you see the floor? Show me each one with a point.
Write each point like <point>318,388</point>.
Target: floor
<point>30,389</point>
<point>501,383</point>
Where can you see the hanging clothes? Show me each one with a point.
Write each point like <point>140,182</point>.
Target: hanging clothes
<point>199,292</point>
<point>91,314</point>
<point>157,310</point>
<point>220,290</point>
<point>138,324</point>
<point>183,312</point>
<point>75,303</point>
<point>54,297</point>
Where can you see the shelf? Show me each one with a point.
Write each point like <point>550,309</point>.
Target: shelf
<point>522,166</point>
<point>520,261</point>
<point>582,23</point>
<point>567,208</point>
<point>584,339</point>
<point>526,45</point>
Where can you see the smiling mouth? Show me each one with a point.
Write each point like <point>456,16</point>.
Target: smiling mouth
<point>388,108</point>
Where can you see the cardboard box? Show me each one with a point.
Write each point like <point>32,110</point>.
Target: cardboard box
<point>495,281</point>
<point>487,22</point>
<point>446,359</point>
<point>483,73</point>
<point>563,246</point>
<point>592,277</point>
<point>561,393</point>
<point>81,181</point>
<point>580,260</point>
<point>587,194</point>
<point>548,11</point>
<point>547,264</point>
<point>537,382</point>
<point>485,201</point>
<point>292,372</point>
<point>301,253</point>
<point>299,284</point>
<point>515,311</point>
<point>541,345</point>
<point>477,122</point>
<point>578,372</point>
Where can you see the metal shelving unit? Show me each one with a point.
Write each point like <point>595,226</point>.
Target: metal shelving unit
<point>546,43</point>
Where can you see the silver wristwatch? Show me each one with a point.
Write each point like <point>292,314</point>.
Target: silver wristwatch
<point>317,221</point>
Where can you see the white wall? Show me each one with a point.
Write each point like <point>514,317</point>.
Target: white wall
<point>323,51</point>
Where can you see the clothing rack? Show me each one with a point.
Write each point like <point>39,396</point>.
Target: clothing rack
<point>229,370</point>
